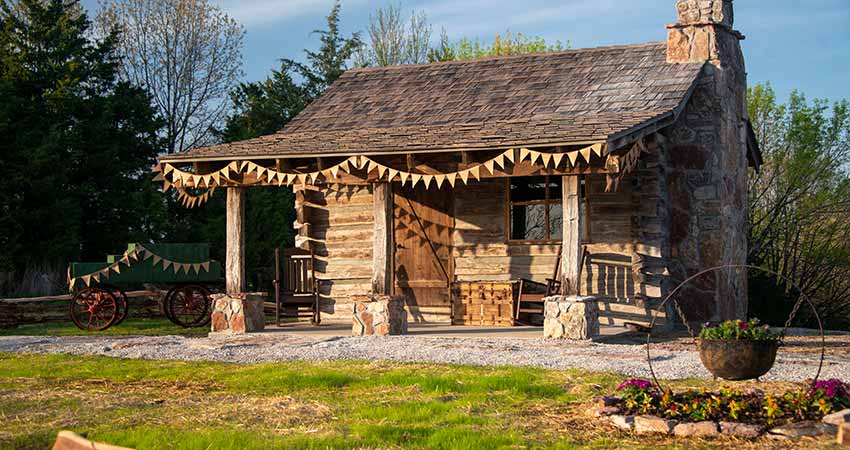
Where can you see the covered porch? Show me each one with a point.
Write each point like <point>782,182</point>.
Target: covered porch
<point>424,227</point>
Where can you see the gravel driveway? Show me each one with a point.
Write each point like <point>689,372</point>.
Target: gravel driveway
<point>670,362</point>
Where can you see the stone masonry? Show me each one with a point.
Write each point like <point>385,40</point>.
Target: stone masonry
<point>237,313</point>
<point>570,317</point>
<point>378,315</point>
<point>707,174</point>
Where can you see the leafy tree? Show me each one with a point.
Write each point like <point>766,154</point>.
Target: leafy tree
<point>799,206</point>
<point>392,41</point>
<point>187,54</point>
<point>511,44</point>
<point>77,143</point>
<point>444,51</point>
<point>330,62</point>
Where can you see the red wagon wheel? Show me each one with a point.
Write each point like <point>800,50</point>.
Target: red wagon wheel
<point>94,309</point>
<point>189,305</point>
<point>123,304</point>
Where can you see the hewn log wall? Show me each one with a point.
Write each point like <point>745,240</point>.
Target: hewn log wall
<point>341,229</point>
<point>479,239</point>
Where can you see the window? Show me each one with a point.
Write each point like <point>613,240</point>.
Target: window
<point>536,211</point>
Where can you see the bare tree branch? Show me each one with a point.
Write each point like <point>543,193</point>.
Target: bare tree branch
<point>187,54</point>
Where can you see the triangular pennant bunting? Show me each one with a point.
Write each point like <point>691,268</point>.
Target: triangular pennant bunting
<point>476,172</point>
<point>556,159</point>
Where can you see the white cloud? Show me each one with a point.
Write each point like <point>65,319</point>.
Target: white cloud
<point>260,12</point>
<point>476,17</point>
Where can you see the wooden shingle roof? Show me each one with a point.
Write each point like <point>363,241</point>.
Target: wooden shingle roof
<point>558,98</point>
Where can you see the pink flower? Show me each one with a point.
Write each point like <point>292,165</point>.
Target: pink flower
<point>639,383</point>
<point>742,325</point>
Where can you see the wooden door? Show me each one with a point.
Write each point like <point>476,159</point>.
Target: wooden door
<point>423,235</point>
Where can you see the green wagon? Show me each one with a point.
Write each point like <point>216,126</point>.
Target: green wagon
<point>185,271</point>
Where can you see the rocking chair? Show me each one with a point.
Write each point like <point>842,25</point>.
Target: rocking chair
<point>297,294</point>
<point>531,301</point>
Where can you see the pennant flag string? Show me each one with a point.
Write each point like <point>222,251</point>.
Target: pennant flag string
<point>173,177</point>
<point>129,258</point>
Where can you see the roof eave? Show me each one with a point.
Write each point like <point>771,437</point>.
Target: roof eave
<point>633,134</point>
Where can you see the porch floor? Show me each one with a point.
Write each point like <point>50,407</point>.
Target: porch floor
<point>335,329</point>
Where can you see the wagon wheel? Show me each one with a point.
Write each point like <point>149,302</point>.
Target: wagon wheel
<point>94,309</point>
<point>166,309</point>
<point>189,305</point>
<point>123,304</point>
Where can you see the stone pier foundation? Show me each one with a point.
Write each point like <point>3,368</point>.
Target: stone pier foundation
<point>237,313</point>
<point>570,317</point>
<point>378,315</point>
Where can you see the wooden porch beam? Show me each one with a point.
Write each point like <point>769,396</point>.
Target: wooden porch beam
<point>234,276</point>
<point>572,241</point>
<point>383,246</point>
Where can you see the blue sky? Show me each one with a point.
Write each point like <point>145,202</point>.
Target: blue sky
<point>794,44</point>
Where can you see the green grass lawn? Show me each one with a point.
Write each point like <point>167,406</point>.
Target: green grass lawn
<point>131,327</point>
<point>346,405</point>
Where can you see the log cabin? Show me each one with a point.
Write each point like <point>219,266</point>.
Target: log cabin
<point>615,170</point>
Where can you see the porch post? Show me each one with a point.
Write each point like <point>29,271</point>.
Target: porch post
<point>234,275</point>
<point>382,249</point>
<point>571,253</point>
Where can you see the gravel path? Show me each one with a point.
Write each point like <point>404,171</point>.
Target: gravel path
<point>625,359</point>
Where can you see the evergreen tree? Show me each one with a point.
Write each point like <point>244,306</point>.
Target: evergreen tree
<point>77,144</point>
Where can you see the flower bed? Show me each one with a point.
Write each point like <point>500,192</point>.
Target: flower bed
<point>701,411</point>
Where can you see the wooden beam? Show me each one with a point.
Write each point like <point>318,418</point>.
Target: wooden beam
<point>67,297</point>
<point>234,275</point>
<point>571,252</point>
<point>383,246</point>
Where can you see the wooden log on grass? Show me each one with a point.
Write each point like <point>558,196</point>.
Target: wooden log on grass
<point>67,440</point>
<point>67,297</point>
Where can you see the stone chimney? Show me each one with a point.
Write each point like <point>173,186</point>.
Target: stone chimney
<point>704,32</point>
<point>708,166</point>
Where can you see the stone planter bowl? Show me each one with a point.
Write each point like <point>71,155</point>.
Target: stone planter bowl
<point>737,359</point>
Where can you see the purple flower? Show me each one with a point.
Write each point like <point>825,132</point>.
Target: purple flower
<point>638,383</point>
<point>831,388</point>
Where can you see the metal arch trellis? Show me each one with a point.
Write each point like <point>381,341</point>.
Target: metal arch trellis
<point>794,310</point>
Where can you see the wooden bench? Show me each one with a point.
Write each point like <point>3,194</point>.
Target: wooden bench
<point>296,293</point>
